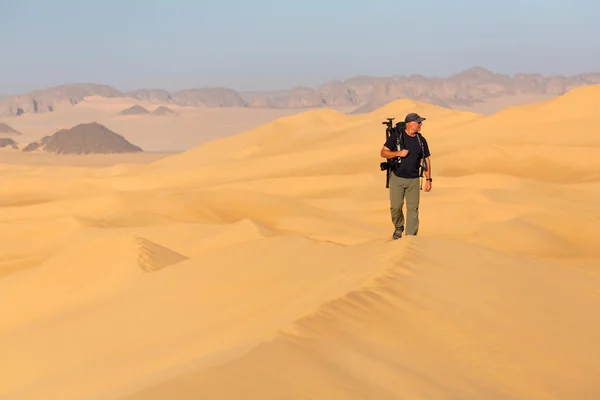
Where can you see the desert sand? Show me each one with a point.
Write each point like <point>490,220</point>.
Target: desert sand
<point>261,265</point>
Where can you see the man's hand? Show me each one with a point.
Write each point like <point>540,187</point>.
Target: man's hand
<point>387,153</point>
<point>427,186</point>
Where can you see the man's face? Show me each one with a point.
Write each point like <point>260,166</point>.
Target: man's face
<point>414,126</point>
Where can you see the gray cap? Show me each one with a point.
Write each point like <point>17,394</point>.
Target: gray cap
<point>414,117</point>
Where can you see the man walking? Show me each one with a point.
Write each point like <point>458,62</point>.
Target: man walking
<point>412,152</point>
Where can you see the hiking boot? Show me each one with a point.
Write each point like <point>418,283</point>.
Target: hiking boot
<point>397,234</point>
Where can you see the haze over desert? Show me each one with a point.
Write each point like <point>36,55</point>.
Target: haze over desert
<point>193,205</point>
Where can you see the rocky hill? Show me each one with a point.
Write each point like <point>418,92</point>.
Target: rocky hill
<point>464,88</point>
<point>8,130</point>
<point>8,142</point>
<point>134,110</point>
<point>83,139</point>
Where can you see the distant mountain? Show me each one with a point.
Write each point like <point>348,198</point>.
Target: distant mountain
<point>365,92</point>
<point>83,139</point>
<point>8,130</point>
<point>47,100</point>
<point>134,110</point>
<point>8,142</point>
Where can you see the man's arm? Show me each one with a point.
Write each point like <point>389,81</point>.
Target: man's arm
<point>387,153</point>
<point>390,143</point>
<point>428,172</point>
<point>427,155</point>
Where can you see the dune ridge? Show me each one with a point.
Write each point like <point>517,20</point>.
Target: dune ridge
<point>402,334</point>
<point>261,265</point>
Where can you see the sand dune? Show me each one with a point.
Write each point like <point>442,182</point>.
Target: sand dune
<point>425,326</point>
<point>260,265</point>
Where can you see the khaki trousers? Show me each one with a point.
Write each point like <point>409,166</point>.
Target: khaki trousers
<point>402,189</point>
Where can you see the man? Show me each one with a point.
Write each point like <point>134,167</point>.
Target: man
<point>405,177</point>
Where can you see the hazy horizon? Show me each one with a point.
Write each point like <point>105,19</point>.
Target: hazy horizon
<point>261,46</point>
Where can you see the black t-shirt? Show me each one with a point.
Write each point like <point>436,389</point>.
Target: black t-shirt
<point>408,167</point>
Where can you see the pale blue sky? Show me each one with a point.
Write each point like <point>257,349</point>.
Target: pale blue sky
<point>259,44</point>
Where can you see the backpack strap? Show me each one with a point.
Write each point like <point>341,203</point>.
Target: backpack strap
<point>422,147</point>
<point>402,139</point>
<point>400,143</point>
<point>422,165</point>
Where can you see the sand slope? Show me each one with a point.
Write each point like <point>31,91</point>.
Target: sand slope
<point>425,326</point>
<point>260,266</point>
